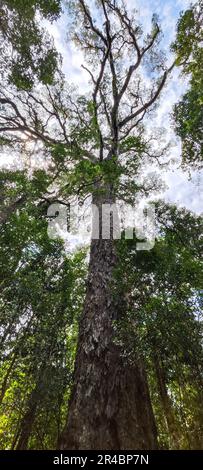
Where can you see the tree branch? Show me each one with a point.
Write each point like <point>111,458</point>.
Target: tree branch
<point>149,103</point>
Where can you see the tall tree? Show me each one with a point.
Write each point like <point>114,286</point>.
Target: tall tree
<point>96,144</point>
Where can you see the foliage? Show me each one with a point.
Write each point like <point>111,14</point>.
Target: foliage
<point>41,293</point>
<point>162,319</point>
<point>33,54</point>
<point>188,113</point>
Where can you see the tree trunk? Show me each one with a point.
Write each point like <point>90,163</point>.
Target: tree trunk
<point>28,421</point>
<point>166,405</point>
<point>6,378</point>
<point>35,399</point>
<point>110,406</point>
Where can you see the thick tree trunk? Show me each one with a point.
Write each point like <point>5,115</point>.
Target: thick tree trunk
<point>110,406</point>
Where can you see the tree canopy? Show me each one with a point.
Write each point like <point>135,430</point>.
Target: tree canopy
<point>106,337</point>
<point>188,112</point>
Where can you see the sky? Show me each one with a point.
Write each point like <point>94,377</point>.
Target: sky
<point>182,188</point>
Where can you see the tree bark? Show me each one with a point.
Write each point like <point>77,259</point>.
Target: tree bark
<point>110,405</point>
<point>5,380</point>
<point>166,404</point>
<point>28,420</point>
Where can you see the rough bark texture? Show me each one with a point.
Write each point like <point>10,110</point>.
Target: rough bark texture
<point>110,406</point>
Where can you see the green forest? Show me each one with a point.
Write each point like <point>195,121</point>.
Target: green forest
<point>101,342</point>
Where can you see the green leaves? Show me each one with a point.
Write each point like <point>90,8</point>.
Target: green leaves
<point>186,29</point>
<point>188,113</point>
<point>135,143</point>
<point>49,10</point>
<point>161,317</point>
<point>33,57</point>
<point>42,291</point>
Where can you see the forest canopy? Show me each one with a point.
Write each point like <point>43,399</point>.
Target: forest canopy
<point>101,343</point>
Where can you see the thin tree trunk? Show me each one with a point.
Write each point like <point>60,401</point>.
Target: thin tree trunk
<point>28,421</point>
<point>166,404</point>
<point>110,406</point>
<point>5,381</point>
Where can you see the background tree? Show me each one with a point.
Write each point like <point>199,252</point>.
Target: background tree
<point>188,112</point>
<point>41,294</point>
<point>162,322</point>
